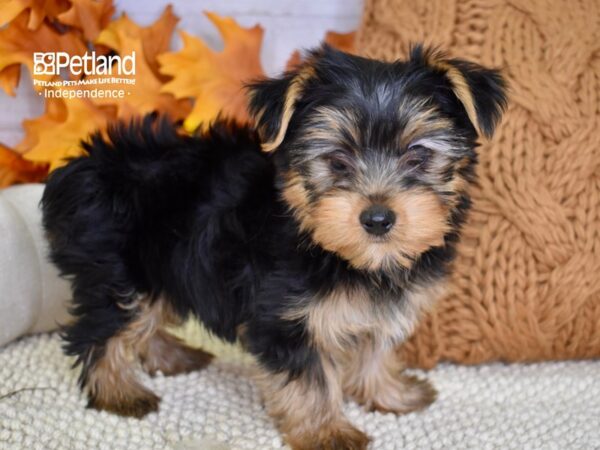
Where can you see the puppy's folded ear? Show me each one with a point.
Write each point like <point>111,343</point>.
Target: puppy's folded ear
<point>481,91</point>
<point>272,103</point>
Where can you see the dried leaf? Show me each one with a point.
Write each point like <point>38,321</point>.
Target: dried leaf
<point>14,169</point>
<point>294,60</point>
<point>37,11</point>
<point>157,39</point>
<point>57,136</point>
<point>9,79</point>
<point>89,16</point>
<point>17,45</point>
<point>124,36</point>
<point>55,112</point>
<point>345,42</point>
<point>215,80</point>
<point>342,41</point>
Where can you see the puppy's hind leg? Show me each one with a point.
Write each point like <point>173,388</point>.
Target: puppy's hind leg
<point>109,370</point>
<point>170,355</point>
<point>104,337</point>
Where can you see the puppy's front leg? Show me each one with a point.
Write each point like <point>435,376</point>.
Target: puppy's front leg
<point>373,377</point>
<point>307,408</point>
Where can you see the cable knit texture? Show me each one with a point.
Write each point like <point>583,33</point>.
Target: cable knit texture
<point>526,284</point>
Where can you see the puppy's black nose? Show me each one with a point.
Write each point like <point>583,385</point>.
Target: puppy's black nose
<point>377,219</point>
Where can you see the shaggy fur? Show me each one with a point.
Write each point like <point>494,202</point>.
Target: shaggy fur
<point>316,239</point>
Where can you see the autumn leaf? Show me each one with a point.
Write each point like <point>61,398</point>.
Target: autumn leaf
<point>36,11</point>
<point>14,169</point>
<point>124,36</point>
<point>9,78</point>
<point>345,42</point>
<point>294,60</point>
<point>18,43</point>
<point>156,39</point>
<point>55,112</point>
<point>215,80</point>
<point>89,16</point>
<point>57,136</point>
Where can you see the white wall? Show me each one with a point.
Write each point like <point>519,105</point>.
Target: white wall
<point>288,24</point>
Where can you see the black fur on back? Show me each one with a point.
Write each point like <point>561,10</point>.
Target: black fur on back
<point>154,212</point>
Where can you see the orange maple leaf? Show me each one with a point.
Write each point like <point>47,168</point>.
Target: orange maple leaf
<point>14,169</point>
<point>345,42</point>
<point>125,37</point>
<point>55,111</point>
<point>156,39</point>
<point>18,43</point>
<point>89,16</point>
<point>56,135</point>
<point>215,80</point>
<point>342,41</point>
<point>9,78</point>
<point>37,10</point>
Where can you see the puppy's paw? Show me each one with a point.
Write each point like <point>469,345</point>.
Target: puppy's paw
<point>407,394</point>
<point>342,436</point>
<point>139,405</point>
<point>349,438</point>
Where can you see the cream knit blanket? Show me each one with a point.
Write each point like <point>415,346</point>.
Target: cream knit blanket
<point>537,406</point>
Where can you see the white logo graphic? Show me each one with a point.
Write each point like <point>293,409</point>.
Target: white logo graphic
<point>112,72</point>
<point>52,63</point>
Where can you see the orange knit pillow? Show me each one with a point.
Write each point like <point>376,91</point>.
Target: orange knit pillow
<point>526,284</point>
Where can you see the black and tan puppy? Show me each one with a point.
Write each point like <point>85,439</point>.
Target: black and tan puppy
<point>316,239</point>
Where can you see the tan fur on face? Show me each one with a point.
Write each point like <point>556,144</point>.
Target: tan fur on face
<point>296,196</point>
<point>421,223</point>
<point>332,124</point>
<point>308,413</point>
<point>112,383</point>
<point>422,120</point>
<point>458,185</point>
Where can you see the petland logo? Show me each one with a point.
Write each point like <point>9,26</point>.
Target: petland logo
<point>52,63</point>
<point>60,75</point>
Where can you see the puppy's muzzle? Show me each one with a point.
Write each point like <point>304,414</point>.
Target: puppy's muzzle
<point>377,220</point>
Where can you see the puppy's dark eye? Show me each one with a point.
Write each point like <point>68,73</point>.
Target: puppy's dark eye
<point>416,156</point>
<point>416,148</point>
<point>339,164</point>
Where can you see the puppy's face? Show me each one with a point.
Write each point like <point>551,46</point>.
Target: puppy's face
<point>374,158</point>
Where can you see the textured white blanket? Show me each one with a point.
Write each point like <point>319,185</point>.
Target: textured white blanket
<point>537,406</point>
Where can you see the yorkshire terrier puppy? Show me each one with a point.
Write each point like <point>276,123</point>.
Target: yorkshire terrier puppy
<point>316,238</point>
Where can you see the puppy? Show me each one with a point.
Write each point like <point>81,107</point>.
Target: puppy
<point>315,238</point>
